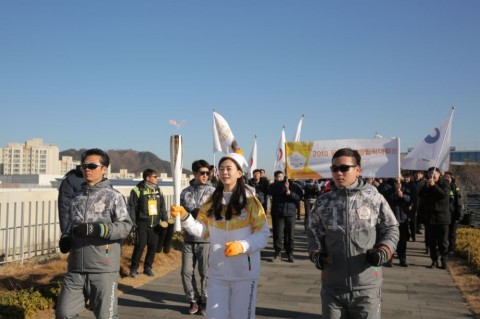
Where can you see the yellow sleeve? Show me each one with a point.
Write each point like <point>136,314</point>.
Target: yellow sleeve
<point>203,218</point>
<point>257,214</point>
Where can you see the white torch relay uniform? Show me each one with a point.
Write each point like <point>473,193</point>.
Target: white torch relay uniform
<point>232,280</point>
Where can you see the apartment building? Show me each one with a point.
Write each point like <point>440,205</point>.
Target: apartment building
<point>33,157</point>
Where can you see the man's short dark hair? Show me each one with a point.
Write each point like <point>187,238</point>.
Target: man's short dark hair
<point>256,171</point>
<point>431,169</point>
<point>197,165</point>
<point>148,172</point>
<point>349,153</point>
<point>105,159</point>
<point>277,173</point>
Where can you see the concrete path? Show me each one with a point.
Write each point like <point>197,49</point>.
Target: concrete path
<point>291,291</point>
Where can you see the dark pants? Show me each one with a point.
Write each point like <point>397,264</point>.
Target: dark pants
<point>283,232</point>
<point>146,236</point>
<point>452,235</point>
<point>412,224</point>
<point>438,239</point>
<point>402,242</point>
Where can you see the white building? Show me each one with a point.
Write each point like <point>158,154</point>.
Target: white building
<point>33,157</point>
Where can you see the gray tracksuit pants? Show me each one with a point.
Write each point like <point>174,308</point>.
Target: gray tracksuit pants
<point>103,295</point>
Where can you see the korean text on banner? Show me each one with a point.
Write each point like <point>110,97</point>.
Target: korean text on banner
<point>380,157</point>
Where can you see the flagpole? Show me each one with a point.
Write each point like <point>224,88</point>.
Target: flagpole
<point>213,117</point>
<point>444,138</point>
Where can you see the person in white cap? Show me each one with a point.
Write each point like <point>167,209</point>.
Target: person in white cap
<point>236,224</point>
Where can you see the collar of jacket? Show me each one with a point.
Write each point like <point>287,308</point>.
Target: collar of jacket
<point>105,183</point>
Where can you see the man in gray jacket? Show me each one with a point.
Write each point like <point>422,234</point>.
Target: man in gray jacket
<point>99,220</point>
<point>352,232</point>
<point>195,249</point>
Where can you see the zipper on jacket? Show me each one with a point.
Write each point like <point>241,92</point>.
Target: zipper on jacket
<point>347,220</point>
<point>85,220</point>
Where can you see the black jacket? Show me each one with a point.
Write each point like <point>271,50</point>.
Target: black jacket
<point>283,204</point>
<point>138,205</point>
<point>435,201</point>
<point>261,189</point>
<point>399,205</point>
<point>71,184</point>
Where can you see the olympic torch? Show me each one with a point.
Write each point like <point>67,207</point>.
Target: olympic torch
<point>176,161</point>
<point>172,225</point>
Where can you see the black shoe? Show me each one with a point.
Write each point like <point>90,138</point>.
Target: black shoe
<point>276,256</point>
<point>443,265</point>
<point>193,308</point>
<point>434,264</point>
<point>290,258</point>
<point>148,272</point>
<point>388,264</point>
<point>403,263</point>
<point>202,309</point>
<point>133,273</point>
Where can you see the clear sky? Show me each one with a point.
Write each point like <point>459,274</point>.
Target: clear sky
<point>111,73</point>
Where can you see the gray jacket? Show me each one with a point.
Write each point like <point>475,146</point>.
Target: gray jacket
<point>98,204</point>
<point>192,198</point>
<point>345,223</point>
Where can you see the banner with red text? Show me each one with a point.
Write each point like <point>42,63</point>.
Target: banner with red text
<point>380,157</point>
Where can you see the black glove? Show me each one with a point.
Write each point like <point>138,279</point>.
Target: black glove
<point>194,212</point>
<point>92,230</point>
<point>65,244</point>
<point>378,256</point>
<point>320,259</point>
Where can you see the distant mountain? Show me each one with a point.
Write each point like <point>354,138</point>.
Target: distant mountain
<point>136,162</point>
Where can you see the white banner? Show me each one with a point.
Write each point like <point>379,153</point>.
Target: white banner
<point>433,150</point>
<point>280,155</point>
<point>380,157</point>
<point>222,135</point>
<point>252,161</point>
<point>298,132</point>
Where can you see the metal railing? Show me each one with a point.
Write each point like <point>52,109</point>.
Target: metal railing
<point>32,229</point>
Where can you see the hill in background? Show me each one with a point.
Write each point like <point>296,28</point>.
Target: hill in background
<point>134,161</point>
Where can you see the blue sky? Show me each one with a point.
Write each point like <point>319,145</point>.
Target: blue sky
<point>110,74</point>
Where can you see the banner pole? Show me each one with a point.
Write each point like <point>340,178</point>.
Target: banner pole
<point>444,138</point>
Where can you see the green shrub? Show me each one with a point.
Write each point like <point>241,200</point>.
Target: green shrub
<point>23,303</point>
<point>468,245</point>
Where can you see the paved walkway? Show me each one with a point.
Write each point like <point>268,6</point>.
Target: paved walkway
<point>291,291</point>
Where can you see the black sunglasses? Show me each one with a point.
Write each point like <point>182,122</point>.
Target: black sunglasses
<point>203,172</point>
<point>341,168</point>
<point>91,166</point>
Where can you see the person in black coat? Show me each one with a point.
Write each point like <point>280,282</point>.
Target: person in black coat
<point>146,206</point>
<point>398,197</point>
<point>435,196</point>
<point>261,188</point>
<point>285,198</point>
<point>311,192</point>
<point>71,184</point>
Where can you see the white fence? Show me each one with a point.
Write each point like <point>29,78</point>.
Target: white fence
<point>29,227</point>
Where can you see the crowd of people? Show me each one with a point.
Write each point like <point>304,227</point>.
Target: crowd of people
<point>354,226</point>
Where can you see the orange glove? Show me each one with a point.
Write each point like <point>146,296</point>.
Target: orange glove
<point>177,210</point>
<point>233,248</point>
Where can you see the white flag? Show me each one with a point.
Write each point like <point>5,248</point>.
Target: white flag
<point>296,137</point>
<point>433,150</point>
<point>280,159</point>
<point>222,135</point>
<point>252,161</point>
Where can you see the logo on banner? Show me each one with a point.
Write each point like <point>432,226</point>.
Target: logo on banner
<point>297,160</point>
<point>433,139</point>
